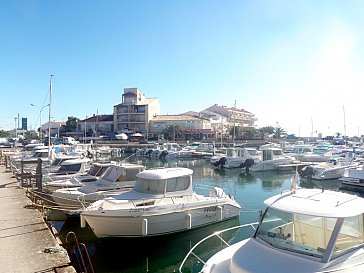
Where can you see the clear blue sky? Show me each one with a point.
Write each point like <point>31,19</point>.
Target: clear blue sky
<point>295,63</point>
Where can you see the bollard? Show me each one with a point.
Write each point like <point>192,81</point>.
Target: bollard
<point>22,173</point>
<point>39,175</point>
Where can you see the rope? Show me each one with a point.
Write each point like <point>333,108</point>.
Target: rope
<point>53,205</point>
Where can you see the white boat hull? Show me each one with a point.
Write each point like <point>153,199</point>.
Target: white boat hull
<point>136,222</point>
<point>270,165</point>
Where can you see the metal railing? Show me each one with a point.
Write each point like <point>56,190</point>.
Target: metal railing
<point>217,234</point>
<point>77,250</point>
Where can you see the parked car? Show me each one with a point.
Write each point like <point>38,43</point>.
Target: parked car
<point>54,140</point>
<point>4,143</point>
<point>29,141</point>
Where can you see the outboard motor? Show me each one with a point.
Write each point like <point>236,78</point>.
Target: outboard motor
<point>307,172</point>
<point>163,155</point>
<point>221,162</point>
<point>148,153</point>
<point>247,164</point>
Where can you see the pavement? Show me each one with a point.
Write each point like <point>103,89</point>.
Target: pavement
<point>26,242</point>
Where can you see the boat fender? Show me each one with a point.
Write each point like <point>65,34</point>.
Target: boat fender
<point>188,221</point>
<point>219,211</point>
<point>82,221</point>
<point>145,227</point>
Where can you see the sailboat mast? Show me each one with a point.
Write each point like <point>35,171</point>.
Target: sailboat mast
<point>49,116</point>
<point>234,123</point>
<point>344,125</point>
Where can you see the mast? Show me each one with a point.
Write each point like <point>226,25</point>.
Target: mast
<point>49,116</point>
<point>344,126</point>
<point>234,123</point>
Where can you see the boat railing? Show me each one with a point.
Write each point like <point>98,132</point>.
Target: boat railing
<point>217,234</point>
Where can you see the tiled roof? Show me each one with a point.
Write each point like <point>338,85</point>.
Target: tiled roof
<point>174,117</point>
<point>226,111</point>
<point>99,118</point>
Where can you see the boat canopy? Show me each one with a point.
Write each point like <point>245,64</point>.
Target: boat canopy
<point>317,202</point>
<point>169,181</point>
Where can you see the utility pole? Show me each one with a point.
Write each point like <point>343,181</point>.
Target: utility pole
<point>15,128</point>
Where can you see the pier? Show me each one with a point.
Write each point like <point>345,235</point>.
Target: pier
<point>26,242</point>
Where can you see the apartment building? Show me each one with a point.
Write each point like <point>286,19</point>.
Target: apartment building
<point>135,111</point>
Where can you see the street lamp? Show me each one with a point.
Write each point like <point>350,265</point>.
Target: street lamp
<point>40,119</point>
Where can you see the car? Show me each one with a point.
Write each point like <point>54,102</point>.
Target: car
<point>4,143</point>
<point>54,141</point>
<point>29,141</point>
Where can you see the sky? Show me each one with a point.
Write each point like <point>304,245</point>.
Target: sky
<point>294,64</point>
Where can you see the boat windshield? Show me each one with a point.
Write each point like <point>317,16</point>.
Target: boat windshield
<point>307,234</point>
<point>158,186</point>
<point>230,152</point>
<point>72,168</point>
<point>320,150</point>
<point>277,152</point>
<point>94,170</point>
<point>57,161</point>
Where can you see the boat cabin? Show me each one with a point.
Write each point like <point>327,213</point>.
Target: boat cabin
<point>167,182</point>
<point>322,224</point>
<point>72,166</point>
<point>271,153</point>
<point>122,172</point>
<point>97,169</point>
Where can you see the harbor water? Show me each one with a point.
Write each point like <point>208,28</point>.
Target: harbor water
<point>164,254</point>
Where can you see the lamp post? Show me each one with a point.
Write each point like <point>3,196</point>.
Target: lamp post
<point>40,119</point>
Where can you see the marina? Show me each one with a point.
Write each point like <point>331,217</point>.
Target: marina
<point>165,252</point>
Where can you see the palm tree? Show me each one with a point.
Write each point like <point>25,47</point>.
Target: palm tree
<point>173,130</point>
<point>279,132</point>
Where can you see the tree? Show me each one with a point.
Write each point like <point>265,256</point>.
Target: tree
<point>173,130</point>
<point>71,125</point>
<point>250,133</point>
<point>279,132</point>
<point>266,130</point>
<point>4,134</point>
<point>237,131</point>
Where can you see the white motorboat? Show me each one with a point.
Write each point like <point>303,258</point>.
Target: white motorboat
<point>301,231</point>
<point>332,169</point>
<point>161,202</point>
<point>353,178</point>
<point>116,179</point>
<point>236,157</point>
<point>271,159</point>
<point>96,170</point>
<point>57,161</point>
<point>69,168</point>
<point>322,152</point>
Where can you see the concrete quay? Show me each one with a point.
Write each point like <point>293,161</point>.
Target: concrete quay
<point>26,242</point>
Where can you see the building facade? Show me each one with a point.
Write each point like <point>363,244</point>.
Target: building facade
<point>135,111</point>
<point>54,130</point>
<point>96,125</point>
<point>229,116</point>
<point>189,127</point>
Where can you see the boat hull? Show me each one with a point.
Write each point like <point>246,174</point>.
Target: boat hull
<point>135,223</point>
